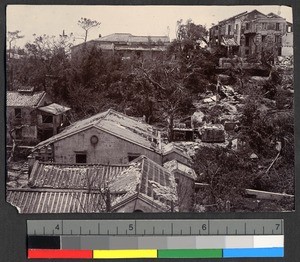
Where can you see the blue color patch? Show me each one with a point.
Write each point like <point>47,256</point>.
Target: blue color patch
<point>253,252</point>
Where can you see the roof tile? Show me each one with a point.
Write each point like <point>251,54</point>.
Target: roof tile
<point>17,99</point>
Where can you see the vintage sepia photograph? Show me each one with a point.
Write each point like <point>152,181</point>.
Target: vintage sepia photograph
<point>172,109</point>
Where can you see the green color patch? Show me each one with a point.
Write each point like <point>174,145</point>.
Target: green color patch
<point>190,253</point>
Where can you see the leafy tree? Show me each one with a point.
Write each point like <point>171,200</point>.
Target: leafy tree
<point>166,82</point>
<point>190,35</point>
<point>11,38</point>
<point>227,175</point>
<point>45,58</point>
<point>87,24</point>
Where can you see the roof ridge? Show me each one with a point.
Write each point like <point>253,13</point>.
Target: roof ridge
<point>123,114</point>
<point>82,164</point>
<point>99,121</point>
<point>150,36</point>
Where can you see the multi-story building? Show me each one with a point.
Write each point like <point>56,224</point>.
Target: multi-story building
<point>127,45</point>
<point>251,33</point>
<point>32,117</point>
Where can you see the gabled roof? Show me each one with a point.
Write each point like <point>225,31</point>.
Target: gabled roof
<point>246,13</point>
<point>272,15</point>
<point>73,176</point>
<point>147,179</point>
<point>233,17</point>
<point>54,109</point>
<point>24,99</point>
<point>115,123</point>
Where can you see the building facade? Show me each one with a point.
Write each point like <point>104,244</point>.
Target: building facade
<point>251,34</point>
<point>127,46</point>
<point>108,138</point>
<point>32,117</point>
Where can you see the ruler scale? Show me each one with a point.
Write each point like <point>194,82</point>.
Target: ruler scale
<point>98,239</point>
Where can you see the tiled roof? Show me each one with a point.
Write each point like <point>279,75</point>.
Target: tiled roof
<point>58,189</point>
<point>54,109</point>
<point>118,124</point>
<point>20,99</point>
<point>75,176</point>
<point>117,37</point>
<point>129,38</point>
<point>55,201</point>
<point>148,179</point>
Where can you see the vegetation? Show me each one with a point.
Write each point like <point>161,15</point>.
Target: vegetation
<point>166,89</point>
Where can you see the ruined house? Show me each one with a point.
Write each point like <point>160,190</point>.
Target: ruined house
<point>185,178</point>
<point>140,186</point>
<point>149,188</point>
<point>173,152</point>
<point>250,33</point>
<point>127,46</point>
<point>212,133</point>
<point>32,117</point>
<point>108,138</point>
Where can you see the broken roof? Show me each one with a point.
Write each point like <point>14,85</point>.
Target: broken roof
<point>171,147</point>
<point>115,123</point>
<point>147,179</point>
<point>129,38</point>
<point>73,176</point>
<point>24,99</point>
<point>65,188</point>
<point>54,109</point>
<point>174,166</point>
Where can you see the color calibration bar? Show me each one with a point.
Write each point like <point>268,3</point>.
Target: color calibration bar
<point>198,238</point>
<point>97,247</point>
<point>149,253</point>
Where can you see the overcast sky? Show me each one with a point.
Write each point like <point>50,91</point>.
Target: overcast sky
<point>137,20</point>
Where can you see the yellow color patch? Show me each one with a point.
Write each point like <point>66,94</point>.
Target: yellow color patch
<point>139,253</point>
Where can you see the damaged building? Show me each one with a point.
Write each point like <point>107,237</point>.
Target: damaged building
<point>108,138</point>
<point>32,117</point>
<point>128,46</point>
<point>139,186</point>
<point>251,33</point>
